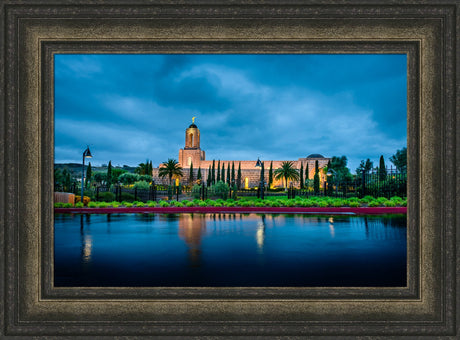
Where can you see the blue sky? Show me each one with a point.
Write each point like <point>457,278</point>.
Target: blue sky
<point>129,108</point>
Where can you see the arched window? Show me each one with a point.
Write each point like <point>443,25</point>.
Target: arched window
<point>246,183</point>
<point>189,161</point>
<point>191,140</point>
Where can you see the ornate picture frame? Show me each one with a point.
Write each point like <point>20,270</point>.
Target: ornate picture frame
<point>34,32</point>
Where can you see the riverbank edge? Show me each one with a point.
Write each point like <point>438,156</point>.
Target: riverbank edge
<point>207,210</point>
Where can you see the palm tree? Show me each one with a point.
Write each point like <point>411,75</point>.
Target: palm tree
<point>287,171</point>
<point>170,168</point>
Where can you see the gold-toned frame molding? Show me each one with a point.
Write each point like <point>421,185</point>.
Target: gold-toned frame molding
<point>34,33</point>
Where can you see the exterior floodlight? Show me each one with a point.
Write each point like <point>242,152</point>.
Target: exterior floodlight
<point>86,154</point>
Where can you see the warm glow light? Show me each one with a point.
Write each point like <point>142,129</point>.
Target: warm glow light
<point>260,235</point>
<point>331,226</point>
<point>87,248</point>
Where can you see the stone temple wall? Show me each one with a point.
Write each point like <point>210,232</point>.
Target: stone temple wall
<point>252,175</point>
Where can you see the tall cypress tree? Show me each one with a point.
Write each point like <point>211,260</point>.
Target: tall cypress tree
<point>191,176</point>
<point>307,175</point>
<point>262,173</point>
<point>209,179</point>
<point>382,169</point>
<point>329,179</point>
<point>238,177</point>
<point>316,179</point>
<point>233,172</point>
<point>150,169</point>
<point>270,175</point>
<point>109,174</point>
<point>198,175</point>
<point>228,174</point>
<point>301,176</point>
<point>88,174</point>
<point>222,175</point>
<point>213,172</point>
<point>66,179</point>
<point>218,171</point>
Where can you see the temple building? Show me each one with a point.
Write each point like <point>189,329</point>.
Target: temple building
<point>250,174</point>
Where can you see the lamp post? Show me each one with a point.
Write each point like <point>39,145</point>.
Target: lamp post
<point>332,172</point>
<point>86,154</point>
<point>261,182</point>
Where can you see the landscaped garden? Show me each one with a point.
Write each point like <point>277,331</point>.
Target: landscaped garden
<point>313,201</point>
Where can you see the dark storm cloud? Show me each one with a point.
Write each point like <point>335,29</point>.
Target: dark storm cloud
<point>132,107</point>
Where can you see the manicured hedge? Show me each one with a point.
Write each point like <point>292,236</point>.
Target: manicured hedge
<point>314,201</point>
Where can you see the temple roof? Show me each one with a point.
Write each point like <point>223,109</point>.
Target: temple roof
<point>315,155</point>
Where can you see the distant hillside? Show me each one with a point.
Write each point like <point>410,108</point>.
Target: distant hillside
<point>75,168</point>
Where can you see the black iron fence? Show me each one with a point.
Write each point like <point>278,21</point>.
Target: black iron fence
<point>374,183</point>
<point>378,184</point>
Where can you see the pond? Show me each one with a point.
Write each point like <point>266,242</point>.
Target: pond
<point>232,250</point>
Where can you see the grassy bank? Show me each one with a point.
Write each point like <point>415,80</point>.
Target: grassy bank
<point>314,201</point>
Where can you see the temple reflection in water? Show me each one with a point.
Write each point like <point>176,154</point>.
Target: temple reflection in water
<point>191,230</point>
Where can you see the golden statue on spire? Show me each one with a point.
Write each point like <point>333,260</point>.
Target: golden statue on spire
<point>193,120</point>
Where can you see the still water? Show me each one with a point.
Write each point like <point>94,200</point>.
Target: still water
<point>233,250</point>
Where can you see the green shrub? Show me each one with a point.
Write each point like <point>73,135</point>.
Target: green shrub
<point>139,204</point>
<point>374,203</point>
<point>58,205</point>
<point>163,204</point>
<point>404,203</point>
<point>289,203</point>
<point>106,196</point>
<point>259,204</point>
<point>229,204</point>
<point>398,200</point>
<point>307,203</point>
<point>244,203</point>
<point>203,204</point>
<point>353,204</point>
<point>115,204</point>
<point>196,191</point>
<point>151,203</point>
<point>220,189</point>
<point>127,197</point>
<point>128,205</point>
<point>189,204</point>
<point>382,200</point>
<point>339,203</point>
<point>268,203</point>
<point>102,204</point>
<point>142,185</point>
<point>366,199</point>
<point>79,205</point>
<point>178,204</point>
<point>322,204</point>
<point>390,203</point>
<point>92,204</point>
